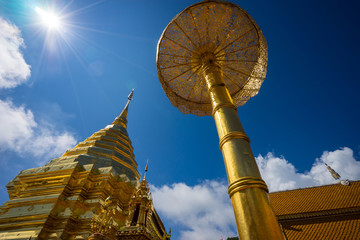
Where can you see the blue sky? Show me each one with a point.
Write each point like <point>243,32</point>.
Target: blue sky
<point>60,86</point>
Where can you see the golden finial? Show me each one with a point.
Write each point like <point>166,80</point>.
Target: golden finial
<point>123,115</point>
<point>130,97</point>
<point>334,174</point>
<point>146,168</point>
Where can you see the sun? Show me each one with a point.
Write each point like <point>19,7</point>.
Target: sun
<point>49,19</point>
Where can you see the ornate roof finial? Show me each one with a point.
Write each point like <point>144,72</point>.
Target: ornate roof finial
<point>130,97</point>
<point>146,169</point>
<point>122,118</point>
<point>334,174</point>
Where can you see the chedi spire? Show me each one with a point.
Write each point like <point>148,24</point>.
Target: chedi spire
<point>122,118</point>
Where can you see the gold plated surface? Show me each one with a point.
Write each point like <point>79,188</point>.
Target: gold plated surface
<point>211,59</point>
<point>143,223</point>
<point>218,30</point>
<point>232,135</point>
<point>246,182</point>
<point>65,198</point>
<point>101,222</point>
<point>248,192</point>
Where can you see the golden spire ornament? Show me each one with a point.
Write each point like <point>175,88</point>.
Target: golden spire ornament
<point>337,176</point>
<point>146,169</point>
<point>334,174</point>
<point>211,58</point>
<point>123,115</point>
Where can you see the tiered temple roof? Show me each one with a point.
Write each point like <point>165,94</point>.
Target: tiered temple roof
<point>325,212</point>
<point>64,198</point>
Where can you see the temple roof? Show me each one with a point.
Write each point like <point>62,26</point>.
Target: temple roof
<point>315,199</point>
<point>328,212</point>
<point>339,228</point>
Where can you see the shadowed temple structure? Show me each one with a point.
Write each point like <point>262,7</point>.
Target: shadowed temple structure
<point>93,189</point>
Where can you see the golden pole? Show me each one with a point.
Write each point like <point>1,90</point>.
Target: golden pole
<point>254,216</point>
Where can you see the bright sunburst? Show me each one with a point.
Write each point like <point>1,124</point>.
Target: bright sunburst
<point>57,25</point>
<point>49,19</point>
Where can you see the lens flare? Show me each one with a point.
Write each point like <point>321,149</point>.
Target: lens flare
<point>49,19</point>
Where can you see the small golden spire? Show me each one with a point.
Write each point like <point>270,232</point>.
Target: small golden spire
<point>130,97</point>
<point>123,115</point>
<point>124,112</point>
<point>334,174</point>
<point>146,169</point>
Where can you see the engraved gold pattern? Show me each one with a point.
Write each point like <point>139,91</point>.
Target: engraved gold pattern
<point>227,33</point>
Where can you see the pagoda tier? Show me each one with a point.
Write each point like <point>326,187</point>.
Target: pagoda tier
<point>59,200</point>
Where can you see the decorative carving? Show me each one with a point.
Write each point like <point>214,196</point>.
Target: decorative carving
<point>101,222</point>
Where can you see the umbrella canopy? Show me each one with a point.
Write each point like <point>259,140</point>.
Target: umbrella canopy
<point>226,33</point>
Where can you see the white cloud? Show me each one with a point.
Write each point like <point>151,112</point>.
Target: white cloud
<point>279,174</point>
<point>202,211</point>
<point>22,134</point>
<point>13,68</point>
<point>341,160</point>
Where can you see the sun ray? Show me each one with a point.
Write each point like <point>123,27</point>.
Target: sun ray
<point>77,11</point>
<point>61,30</point>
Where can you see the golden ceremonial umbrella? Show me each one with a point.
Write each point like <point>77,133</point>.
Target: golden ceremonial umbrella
<point>212,58</point>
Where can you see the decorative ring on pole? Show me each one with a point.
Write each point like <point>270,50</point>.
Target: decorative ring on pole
<point>233,135</point>
<point>217,107</point>
<point>246,182</point>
